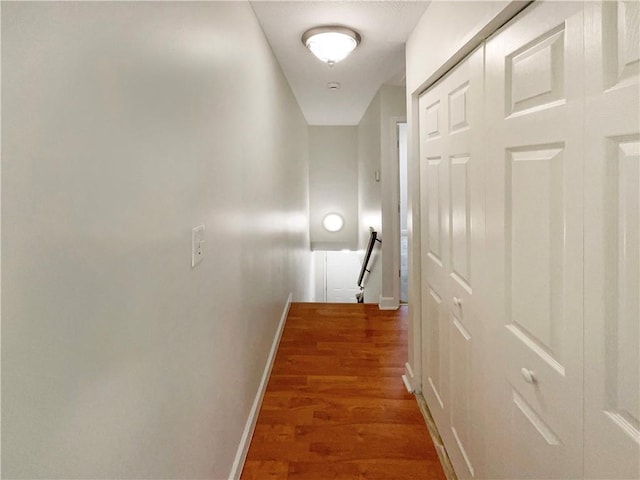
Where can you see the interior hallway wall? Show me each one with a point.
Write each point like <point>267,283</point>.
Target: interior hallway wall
<point>333,185</point>
<point>393,110</point>
<point>125,124</point>
<point>376,146</point>
<point>370,193</point>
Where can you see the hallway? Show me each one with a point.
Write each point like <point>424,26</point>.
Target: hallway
<point>179,177</point>
<point>335,405</point>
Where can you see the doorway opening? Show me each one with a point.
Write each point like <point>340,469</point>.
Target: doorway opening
<point>403,207</point>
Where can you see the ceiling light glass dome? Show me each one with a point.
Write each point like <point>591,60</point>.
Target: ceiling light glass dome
<point>331,44</point>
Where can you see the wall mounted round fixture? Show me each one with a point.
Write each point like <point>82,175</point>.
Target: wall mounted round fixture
<point>333,222</point>
<point>331,43</point>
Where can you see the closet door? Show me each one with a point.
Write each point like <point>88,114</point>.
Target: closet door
<point>612,241</point>
<point>534,109</point>
<point>451,185</point>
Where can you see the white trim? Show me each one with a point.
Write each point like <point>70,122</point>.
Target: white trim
<point>443,456</point>
<point>407,385</point>
<point>413,248</point>
<point>391,216</point>
<point>409,378</point>
<point>408,370</point>
<point>388,303</point>
<point>247,434</point>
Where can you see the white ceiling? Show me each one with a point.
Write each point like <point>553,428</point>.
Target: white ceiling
<point>379,59</point>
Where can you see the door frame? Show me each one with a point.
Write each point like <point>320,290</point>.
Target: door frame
<point>391,219</point>
<point>399,200</point>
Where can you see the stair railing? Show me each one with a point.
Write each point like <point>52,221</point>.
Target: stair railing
<point>373,238</point>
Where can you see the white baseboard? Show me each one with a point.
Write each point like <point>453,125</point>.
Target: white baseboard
<point>407,385</point>
<point>445,461</point>
<point>408,377</point>
<point>247,434</point>
<point>388,303</point>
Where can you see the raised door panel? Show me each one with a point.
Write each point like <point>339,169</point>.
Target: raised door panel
<point>622,271</point>
<point>432,123</point>
<point>620,42</point>
<point>433,166</point>
<point>459,108</point>
<point>462,401</point>
<point>534,230</point>
<point>612,242</point>
<point>436,329</point>
<point>460,210</point>
<point>535,449</point>
<point>535,73</point>
<point>534,224</point>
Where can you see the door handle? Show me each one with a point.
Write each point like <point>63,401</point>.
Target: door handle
<point>528,375</point>
<point>457,302</point>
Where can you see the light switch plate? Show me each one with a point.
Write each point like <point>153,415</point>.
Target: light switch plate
<point>197,245</point>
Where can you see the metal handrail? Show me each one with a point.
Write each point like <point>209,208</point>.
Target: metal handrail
<point>373,238</point>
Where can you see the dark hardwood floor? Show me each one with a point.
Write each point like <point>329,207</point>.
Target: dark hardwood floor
<point>335,406</point>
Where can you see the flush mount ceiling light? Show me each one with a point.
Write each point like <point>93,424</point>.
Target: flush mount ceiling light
<point>333,222</point>
<point>331,44</point>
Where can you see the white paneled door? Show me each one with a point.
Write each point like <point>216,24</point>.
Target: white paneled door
<point>534,88</point>
<point>612,241</point>
<point>452,206</point>
<point>342,270</point>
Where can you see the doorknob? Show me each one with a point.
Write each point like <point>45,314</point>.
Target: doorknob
<point>457,302</point>
<point>528,375</point>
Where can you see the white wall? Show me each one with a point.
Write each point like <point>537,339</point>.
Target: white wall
<point>333,185</point>
<point>444,35</point>
<point>393,110</point>
<point>125,125</point>
<point>369,191</point>
<point>377,200</point>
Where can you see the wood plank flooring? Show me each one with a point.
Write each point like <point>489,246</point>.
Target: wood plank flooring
<point>335,406</point>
